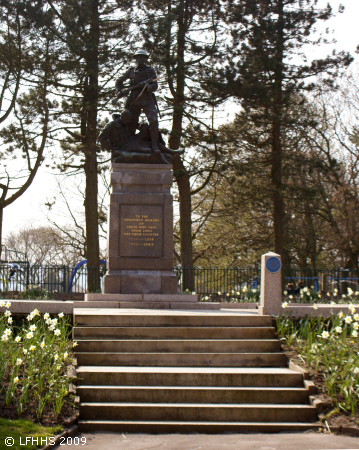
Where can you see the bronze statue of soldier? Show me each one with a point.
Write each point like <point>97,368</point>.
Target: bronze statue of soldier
<point>143,84</point>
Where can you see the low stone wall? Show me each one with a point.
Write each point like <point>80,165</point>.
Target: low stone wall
<point>55,295</point>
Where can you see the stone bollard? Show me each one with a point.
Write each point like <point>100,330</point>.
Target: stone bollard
<point>271,284</point>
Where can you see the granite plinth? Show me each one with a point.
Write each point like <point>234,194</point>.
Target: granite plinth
<point>140,234</point>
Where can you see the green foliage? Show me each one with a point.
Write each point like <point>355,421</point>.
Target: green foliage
<point>34,358</point>
<point>21,428</point>
<point>34,292</point>
<point>332,346</point>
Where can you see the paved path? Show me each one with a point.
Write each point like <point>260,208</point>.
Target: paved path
<point>280,441</point>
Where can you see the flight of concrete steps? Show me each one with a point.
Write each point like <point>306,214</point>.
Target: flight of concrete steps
<point>185,371</point>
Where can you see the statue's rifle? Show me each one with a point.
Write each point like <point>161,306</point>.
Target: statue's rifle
<point>132,88</point>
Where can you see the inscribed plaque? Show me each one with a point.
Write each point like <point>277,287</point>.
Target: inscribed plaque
<point>141,231</point>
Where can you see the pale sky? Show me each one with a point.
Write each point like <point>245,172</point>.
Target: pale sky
<point>29,207</point>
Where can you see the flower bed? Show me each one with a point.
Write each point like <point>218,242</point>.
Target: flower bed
<point>309,295</point>
<point>329,349</point>
<point>35,356</point>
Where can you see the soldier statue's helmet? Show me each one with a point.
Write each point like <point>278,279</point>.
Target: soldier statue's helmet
<point>141,53</point>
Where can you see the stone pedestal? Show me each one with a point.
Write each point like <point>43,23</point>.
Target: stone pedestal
<point>271,284</point>
<point>140,233</point>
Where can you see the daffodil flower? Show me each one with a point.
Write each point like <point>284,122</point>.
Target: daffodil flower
<point>18,339</point>
<point>18,362</point>
<point>61,314</point>
<point>325,334</point>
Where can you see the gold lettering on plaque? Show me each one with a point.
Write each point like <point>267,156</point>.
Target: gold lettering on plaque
<point>141,231</point>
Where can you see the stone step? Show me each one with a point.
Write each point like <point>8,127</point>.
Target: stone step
<point>198,412</point>
<point>180,346</point>
<point>197,394</point>
<point>188,376</point>
<point>128,426</point>
<point>174,332</point>
<point>183,359</point>
<point>172,305</point>
<point>115,317</point>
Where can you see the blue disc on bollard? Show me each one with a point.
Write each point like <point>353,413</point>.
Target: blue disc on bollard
<point>273,264</point>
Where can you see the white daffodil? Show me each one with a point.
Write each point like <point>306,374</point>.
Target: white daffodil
<point>290,297</point>
<point>29,317</point>
<point>35,312</point>
<point>7,313</point>
<point>18,339</point>
<point>350,291</point>
<point>32,327</point>
<point>344,296</point>
<point>285,293</point>
<point>75,344</point>
<point>48,321</point>
<point>29,335</point>
<point>46,316</point>
<point>16,380</point>
<point>56,357</point>
<point>348,320</point>
<point>58,367</point>
<point>9,320</point>
<point>8,304</point>
<point>66,355</point>
<point>355,333</point>
<point>254,290</point>
<point>338,329</point>
<point>356,326</point>
<point>54,321</point>
<point>32,348</point>
<point>25,351</point>
<point>341,315</point>
<point>328,294</point>
<point>61,314</point>
<point>193,293</point>
<point>52,327</point>
<point>315,306</point>
<point>284,304</point>
<point>335,294</point>
<point>2,304</point>
<point>325,334</point>
<point>42,345</point>
<point>4,337</point>
<point>18,362</point>
<point>356,317</point>
<point>245,289</point>
<point>8,332</point>
<point>351,308</point>
<point>332,303</point>
<point>57,332</point>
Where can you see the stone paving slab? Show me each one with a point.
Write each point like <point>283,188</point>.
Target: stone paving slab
<point>235,441</point>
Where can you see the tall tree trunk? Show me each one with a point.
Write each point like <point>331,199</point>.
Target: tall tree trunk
<point>90,166</point>
<point>180,171</point>
<point>1,220</point>
<point>276,172</point>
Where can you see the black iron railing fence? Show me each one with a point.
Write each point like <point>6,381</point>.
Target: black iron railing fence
<point>204,281</point>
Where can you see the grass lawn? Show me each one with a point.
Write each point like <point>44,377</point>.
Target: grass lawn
<point>21,429</point>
